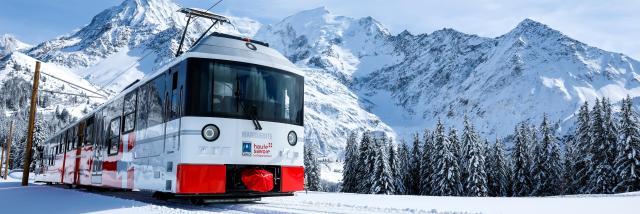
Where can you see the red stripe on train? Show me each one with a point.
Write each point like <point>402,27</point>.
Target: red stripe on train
<point>201,178</point>
<point>292,178</point>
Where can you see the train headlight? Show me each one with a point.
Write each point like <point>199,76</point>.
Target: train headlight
<point>292,138</point>
<point>210,132</point>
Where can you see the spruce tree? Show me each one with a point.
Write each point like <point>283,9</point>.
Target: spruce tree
<point>446,172</point>
<point>427,164</point>
<point>601,175</point>
<point>469,138</point>
<point>582,141</point>
<point>414,175</point>
<point>456,148</point>
<point>546,174</point>
<point>627,164</point>
<point>395,165</point>
<point>312,168</point>
<point>498,175</point>
<point>556,168</point>
<point>382,180</point>
<point>366,163</point>
<point>404,171</point>
<point>476,183</point>
<point>569,160</point>
<point>350,177</point>
<point>521,180</point>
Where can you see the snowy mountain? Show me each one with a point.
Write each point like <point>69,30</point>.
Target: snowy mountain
<point>410,81</point>
<point>138,35</point>
<point>9,44</point>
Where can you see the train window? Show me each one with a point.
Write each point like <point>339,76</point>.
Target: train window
<point>232,89</point>
<point>114,136</point>
<point>174,82</point>
<point>68,140</point>
<point>130,112</point>
<point>74,137</point>
<point>150,103</point>
<point>89,131</point>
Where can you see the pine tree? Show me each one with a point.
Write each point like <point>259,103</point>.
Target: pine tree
<point>427,164</point>
<point>366,163</point>
<point>414,176</point>
<point>546,171</point>
<point>455,145</point>
<point>477,177</point>
<point>404,171</point>
<point>312,168</point>
<point>498,175</point>
<point>349,173</point>
<point>40,135</point>
<point>382,180</point>
<point>469,138</point>
<point>582,141</point>
<point>556,168</point>
<point>521,163</point>
<point>446,173</point>
<point>627,164</point>
<point>570,159</point>
<point>601,175</point>
<point>395,166</point>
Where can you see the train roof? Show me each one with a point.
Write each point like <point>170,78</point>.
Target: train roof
<point>215,46</point>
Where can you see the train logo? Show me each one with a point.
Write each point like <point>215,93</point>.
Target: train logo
<point>246,148</point>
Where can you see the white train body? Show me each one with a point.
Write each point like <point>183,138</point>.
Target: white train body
<point>192,128</point>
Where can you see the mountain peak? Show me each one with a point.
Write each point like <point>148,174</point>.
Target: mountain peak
<point>322,10</point>
<point>9,43</point>
<point>532,24</point>
<point>529,26</point>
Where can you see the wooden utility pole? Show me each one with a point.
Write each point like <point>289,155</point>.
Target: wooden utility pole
<point>2,158</point>
<point>6,162</point>
<point>32,119</point>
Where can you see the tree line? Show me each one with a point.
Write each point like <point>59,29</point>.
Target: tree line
<point>601,156</point>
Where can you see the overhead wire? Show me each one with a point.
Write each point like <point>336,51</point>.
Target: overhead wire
<point>145,56</point>
<point>70,83</point>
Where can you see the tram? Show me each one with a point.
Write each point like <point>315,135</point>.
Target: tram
<point>223,119</point>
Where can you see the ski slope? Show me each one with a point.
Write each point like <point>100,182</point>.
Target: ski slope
<point>54,199</point>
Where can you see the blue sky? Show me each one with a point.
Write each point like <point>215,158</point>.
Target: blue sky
<point>612,25</point>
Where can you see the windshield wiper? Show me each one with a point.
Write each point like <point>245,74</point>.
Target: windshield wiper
<point>253,113</point>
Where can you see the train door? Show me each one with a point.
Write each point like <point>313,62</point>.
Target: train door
<point>172,109</point>
<point>78,151</point>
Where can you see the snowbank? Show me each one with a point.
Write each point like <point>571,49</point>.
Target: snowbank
<point>46,199</point>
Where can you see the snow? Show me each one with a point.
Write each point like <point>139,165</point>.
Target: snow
<point>38,198</point>
<point>9,44</point>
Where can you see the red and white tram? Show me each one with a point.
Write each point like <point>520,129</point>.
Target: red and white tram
<point>223,119</point>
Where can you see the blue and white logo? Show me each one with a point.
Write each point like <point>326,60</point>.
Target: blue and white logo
<point>246,148</point>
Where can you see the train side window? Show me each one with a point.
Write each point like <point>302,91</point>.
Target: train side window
<point>89,131</point>
<point>67,140</point>
<point>174,81</point>
<point>114,136</point>
<point>130,112</point>
<point>142,111</point>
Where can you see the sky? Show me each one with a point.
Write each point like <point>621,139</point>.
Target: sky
<point>612,25</point>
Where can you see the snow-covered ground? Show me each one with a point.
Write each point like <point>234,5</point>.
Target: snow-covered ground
<point>49,199</point>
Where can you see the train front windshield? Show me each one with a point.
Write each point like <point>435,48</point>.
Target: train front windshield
<point>238,90</point>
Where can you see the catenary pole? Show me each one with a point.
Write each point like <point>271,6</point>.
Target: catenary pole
<point>32,118</point>
<point>6,162</point>
<point>2,155</point>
